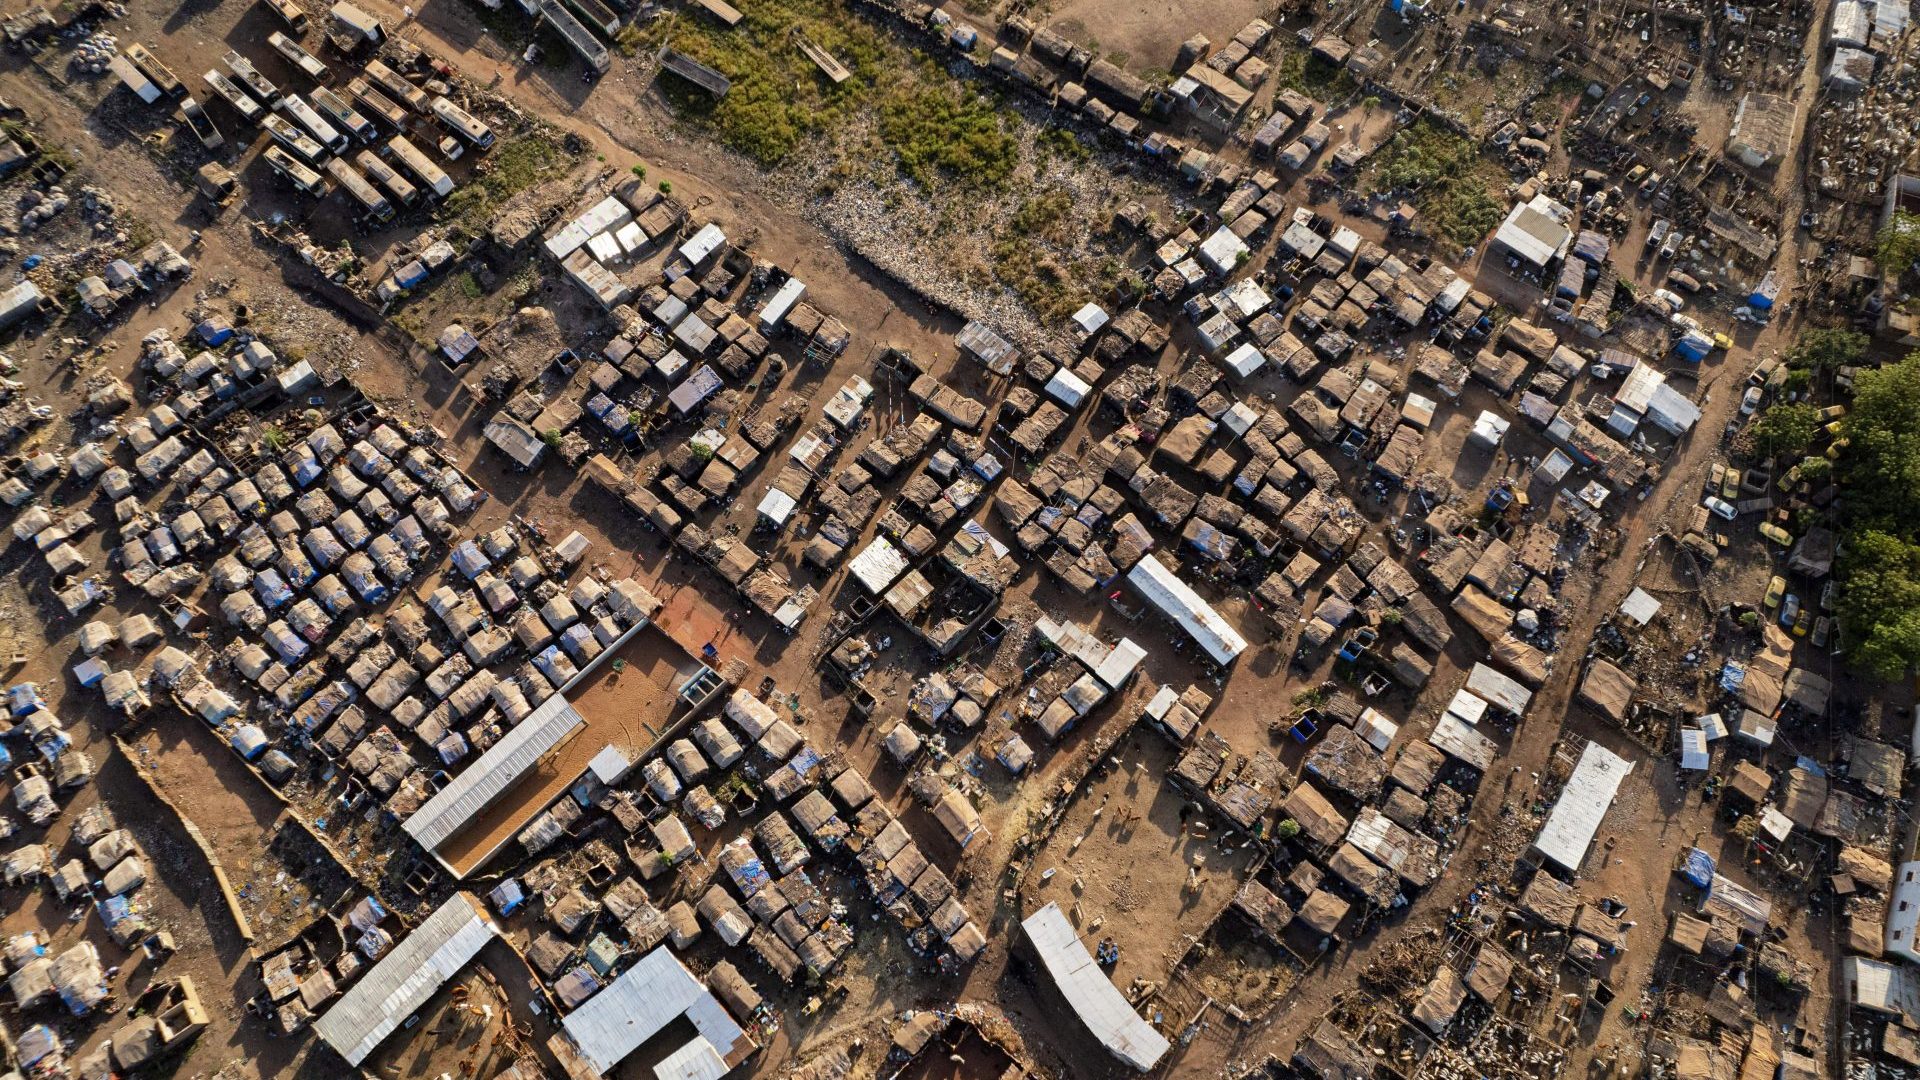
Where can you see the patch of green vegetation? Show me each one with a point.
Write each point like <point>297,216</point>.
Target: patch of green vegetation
<point>1786,430</point>
<point>779,98</point>
<point>1445,175</point>
<point>1897,245</point>
<point>514,166</point>
<point>1825,348</point>
<point>470,286</point>
<point>1065,143</point>
<point>1880,483</point>
<point>1301,70</point>
<point>1026,258</point>
<point>943,131</point>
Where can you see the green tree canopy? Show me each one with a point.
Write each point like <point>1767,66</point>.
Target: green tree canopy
<point>1880,604</point>
<point>1881,468</point>
<point>1828,348</point>
<point>1898,244</point>
<point>1786,430</point>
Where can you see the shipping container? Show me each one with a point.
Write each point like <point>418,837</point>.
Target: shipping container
<point>135,80</point>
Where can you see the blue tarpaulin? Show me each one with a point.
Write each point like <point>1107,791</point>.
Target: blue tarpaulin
<point>1810,765</point>
<point>1699,868</point>
<point>1731,677</point>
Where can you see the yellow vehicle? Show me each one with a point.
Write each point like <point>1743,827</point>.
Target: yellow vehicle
<point>1722,341</point>
<point>1832,412</point>
<point>1833,429</point>
<point>1802,623</point>
<point>1776,588</point>
<point>1777,534</point>
<point>1730,485</point>
<point>1716,475</point>
<point>1833,450</point>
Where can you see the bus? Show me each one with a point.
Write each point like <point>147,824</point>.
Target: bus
<point>429,174</point>
<point>302,113</point>
<point>378,104</point>
<point>398,88</point>
<point>250,77</point>
<point>462,123</point>
<point>335,108</point>
<point>308,63</point>
<point>383,174</point>
<point>290,13</point>
<point>230,91</point>
<point>152,68</point>
<point>291,137</point>
<point>302,177</point>
<point>373,204</point>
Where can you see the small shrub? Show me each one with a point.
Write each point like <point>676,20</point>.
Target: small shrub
<point>666,187</point>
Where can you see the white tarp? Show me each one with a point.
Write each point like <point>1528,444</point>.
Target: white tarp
<point>1582,805</point>
<point>1164,589</point>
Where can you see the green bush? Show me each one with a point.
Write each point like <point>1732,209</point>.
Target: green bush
<point>1825,349</point>
<point>943,131</point>
<point>1447,178</point>
<point>1787,430</point>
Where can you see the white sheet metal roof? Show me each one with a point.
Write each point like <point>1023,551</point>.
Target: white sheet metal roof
<point>1468,706</point>
<point>1534,231</point>
<point>697,1060</point>
<point>489,777</point>
<point>1067,388</point>
<point>1693,749</point>
<point>1498,689</point>
<point>1457,739</point>
<point>654,992</point>
<point>1090,318</point>
<point>1246,360</point>
<point>776,506</point>
<point>1582,805</point>
<point>1179,602</point>
<point>1882,987</point>
<point>1120,664</point>
<point>1640,606</point>
<point>702,244</point>
<point>1092,995</point>
<point>403,980</point>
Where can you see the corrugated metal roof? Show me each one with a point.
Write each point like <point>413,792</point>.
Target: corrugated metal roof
<point>405,978</point>
<point>1164,589</point>
<point>697,1060</point>
<point>496,770</point>
<point>1090,992</point>
<point>1582,806</point>
<point>647,997</point>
